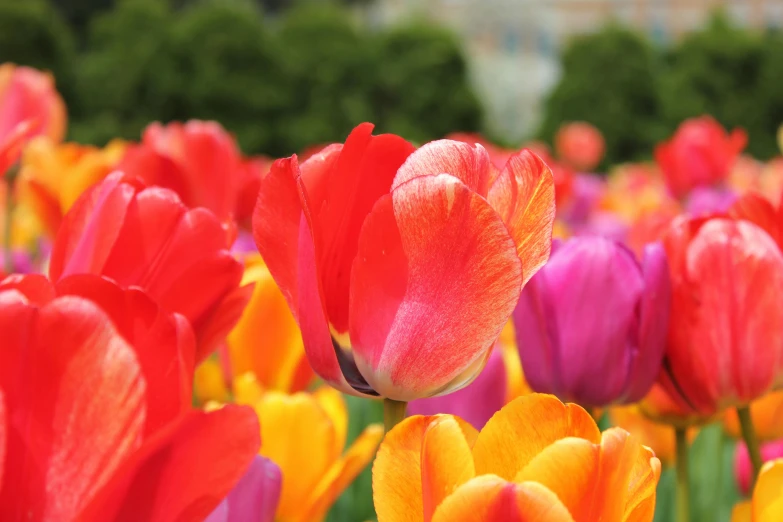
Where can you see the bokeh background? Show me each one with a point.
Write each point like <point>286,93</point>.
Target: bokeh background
<point>283,75</point>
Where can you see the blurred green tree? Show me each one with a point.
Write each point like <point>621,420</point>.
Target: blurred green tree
<point>422,90</point>
<point>126,77</point>
<point>609,80</point>
<point>33,33</point>
<point>228,68</point>
<point>717,71</point>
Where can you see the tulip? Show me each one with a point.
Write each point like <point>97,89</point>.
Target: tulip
<point>305,434</point>
<point>146,237</point>
<point>757,209</point>
<point>255,496</point>
<point>96,376</point>
<point>707,200</point>
<point>610,351</point>
<point>536,459</point>
<point>475,403</point>
<point>29,106</point>
<point>580,145</point>
<point>53,176</point>
<point>701,153</point>
<point>252,170</point>
<point>659,437</point>
<point>266,341</point>
<point>742,464</point>
<point>767,502</point>
<point>725,340</point>
<point>394,252</point>
<point>766,414</point>
<point>198,160</point>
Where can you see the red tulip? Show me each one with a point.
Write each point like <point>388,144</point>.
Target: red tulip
<point>252,169</point>
<point>29,106</point>
<point>701,153</point>
<point>725,342</point>
<point>147,238</point>
<point>95,423</point>
<point>414,258</point>
<point>580,145</point>
<point>759,210</point>
<point>198,160</point>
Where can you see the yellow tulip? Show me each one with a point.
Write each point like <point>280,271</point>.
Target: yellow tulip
<point>266,340</point>
<point>767,502</point>
<point>53,175</point>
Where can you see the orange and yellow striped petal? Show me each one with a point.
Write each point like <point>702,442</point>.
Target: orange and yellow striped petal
<point>398,471</point>
<point>489,498</point>
<point>523,428</point>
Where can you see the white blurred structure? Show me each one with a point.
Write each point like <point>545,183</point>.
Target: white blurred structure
<point>512,45</point>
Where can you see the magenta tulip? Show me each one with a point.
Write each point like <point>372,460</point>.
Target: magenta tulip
<point>591,325</point>
<point>255,496</point>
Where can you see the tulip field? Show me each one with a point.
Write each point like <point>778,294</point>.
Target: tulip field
<point>449,331</point>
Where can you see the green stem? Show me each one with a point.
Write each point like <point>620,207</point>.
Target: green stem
<point>393,413</point>
<point>10,177</point>
<point>749,434</point>
<point>683,484</point>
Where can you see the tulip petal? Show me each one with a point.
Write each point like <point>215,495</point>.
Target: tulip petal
<point>759,210</point>
<point>3,435</point>
<point>276,219</point>
<point>431,254</point>
<point>712,340</point>
<point>89,231</point>
<point>653,323</point>
<point>399,469</point>
<point>568,468</point>
<point>363,173</point>
<point>742,512</point>
<point>255,496</point>
<point>343,472</point>
<point>183,471</point>
<point>626,483</point>
<point>524,196</point>
<point>475,403</point>
<point>768,493</point>
<point>299,437</point>
<point>72,386</point>
<point>468,163</point>
<point>507,444</point>
<point>266,340</point>
<point>35,287</point>
<point>489,498</point>
<point>163,343</point>
<point>332,402</point>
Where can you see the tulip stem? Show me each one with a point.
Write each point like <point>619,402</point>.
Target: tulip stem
<point>393,413</point>
<point>749,434</point>
<point>10,177</point>
<point>683,483</point>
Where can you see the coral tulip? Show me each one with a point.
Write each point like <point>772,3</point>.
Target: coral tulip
<point>767,502</point>
<point>396,252</point>
<point>255,496</point>
<point>580,145</point>
<point>536,459</point>
<point>52,176</point>
<point>146,237</point>
<point>198,160</point>
<point>742,465</point>
<point>610,351</point>
<point>725,340</point>
<point>266,340</point>
<point>766,414</point>
<point>29,106</point>
<point>305,434</point>
<point>97,391</point>
<point>701,153</point>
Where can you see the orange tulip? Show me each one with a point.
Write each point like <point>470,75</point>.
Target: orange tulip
<point>580,145</point>
<point>767,416</point>
<point>537,459</point>
<point>659,437</point>
<point>266,340</point>
<point>305,435</point>
<point>53,176</point>
<point>767,502</point>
